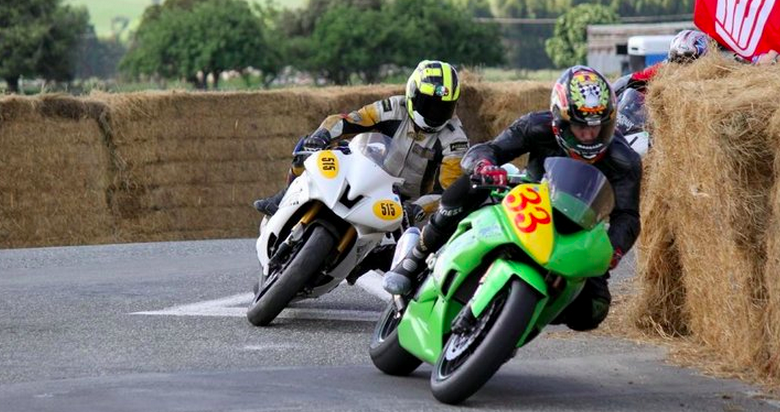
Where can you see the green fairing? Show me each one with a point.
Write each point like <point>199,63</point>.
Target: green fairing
<point>425,323</point>
<point>477,235</point>
<point>581,254</point>
<point>429,316</point>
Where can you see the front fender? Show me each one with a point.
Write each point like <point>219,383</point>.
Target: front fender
<point>497,276</point>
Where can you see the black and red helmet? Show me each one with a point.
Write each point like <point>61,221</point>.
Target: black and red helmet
<point>583,96</point>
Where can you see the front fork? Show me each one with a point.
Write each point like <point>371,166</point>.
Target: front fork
<point>295,236</point>
<point>297,232</point>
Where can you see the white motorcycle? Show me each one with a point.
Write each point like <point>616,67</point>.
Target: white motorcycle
<point>631,120</point>
<point>330,218</point>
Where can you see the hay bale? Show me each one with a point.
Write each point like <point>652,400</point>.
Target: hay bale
<point>771,321</point>
<point>660,306</point>
<point>176,165</point>
<point>178,145</point>
<point>53,167</point>
<point>488,108</point>
<point>710,123</point>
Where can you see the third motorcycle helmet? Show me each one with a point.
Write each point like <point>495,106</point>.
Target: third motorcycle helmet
<point>687,46</point>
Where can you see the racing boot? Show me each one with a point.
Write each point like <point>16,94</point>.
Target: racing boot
<point>270,205</point>
<point>401,279</point>
<point>589,308</point>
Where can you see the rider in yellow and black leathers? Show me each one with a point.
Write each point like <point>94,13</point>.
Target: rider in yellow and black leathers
<point>428,138</point>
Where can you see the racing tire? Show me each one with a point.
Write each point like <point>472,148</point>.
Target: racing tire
<point>385,350</point>
<point>503,323</point>
<point>277,294</point>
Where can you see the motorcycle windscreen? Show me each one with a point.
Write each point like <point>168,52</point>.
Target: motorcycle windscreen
<point>579,191</point>
<point>631,115</point>
<point>374,146</point>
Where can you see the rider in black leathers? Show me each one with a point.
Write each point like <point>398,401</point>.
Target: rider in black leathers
<point>582,99</point>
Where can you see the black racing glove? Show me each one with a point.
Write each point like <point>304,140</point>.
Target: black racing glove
<point>318,140</point>
<point>414,212</point>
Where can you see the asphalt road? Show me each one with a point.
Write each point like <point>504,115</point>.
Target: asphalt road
<point>161,327</point>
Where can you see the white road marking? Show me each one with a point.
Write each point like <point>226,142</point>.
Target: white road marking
<point>271,347</point>
<point>371,282</point>
<point>235,306</point>
<point>217,307</point>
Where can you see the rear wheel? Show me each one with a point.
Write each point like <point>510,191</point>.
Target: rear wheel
<point>468,360</point>
<point>385,350</point>
<point>279,289</point>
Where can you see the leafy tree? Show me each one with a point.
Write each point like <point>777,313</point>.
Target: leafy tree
<point>302,22</point>
<point>185,38</point>
<point>98,57</point>
<point>37,38</point>
<point>476,8</point>
<point>527,41</point>
<point>354,38</point>
<point>568,46</point>
<point>651,7</point>
<point>433,29</point>
<point>551,8</point>
<point>347,41</point>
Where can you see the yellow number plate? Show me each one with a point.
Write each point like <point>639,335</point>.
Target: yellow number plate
<point>388,210</point>
<point>328,164</point>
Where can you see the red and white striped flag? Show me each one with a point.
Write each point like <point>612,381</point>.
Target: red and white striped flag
<point>747,27</point>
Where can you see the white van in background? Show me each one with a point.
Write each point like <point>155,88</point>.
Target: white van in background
<point>645,51</point>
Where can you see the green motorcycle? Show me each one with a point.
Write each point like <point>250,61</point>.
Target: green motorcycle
<point>514,264</point>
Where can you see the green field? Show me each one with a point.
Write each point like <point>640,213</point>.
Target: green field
<point>101,12</point>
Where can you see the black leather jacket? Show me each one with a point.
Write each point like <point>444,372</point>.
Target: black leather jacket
<point>533,134</point>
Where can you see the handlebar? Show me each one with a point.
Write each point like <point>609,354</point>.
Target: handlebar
<point>514,180</point>
<point>304,152</point>
<point>504,188</point>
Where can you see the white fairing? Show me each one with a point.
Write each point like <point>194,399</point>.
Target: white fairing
<point>640,142</point>
<point>357,191</point>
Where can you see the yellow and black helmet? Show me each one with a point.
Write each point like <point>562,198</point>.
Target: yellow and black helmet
<point>432,92</point>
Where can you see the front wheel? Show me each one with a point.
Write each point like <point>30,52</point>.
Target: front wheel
<point>276,293</point>
<point>468,360</point>
<point>385,350</point>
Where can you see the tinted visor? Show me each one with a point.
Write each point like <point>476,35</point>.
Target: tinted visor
<point>435,111</point>
<point>579,191</point>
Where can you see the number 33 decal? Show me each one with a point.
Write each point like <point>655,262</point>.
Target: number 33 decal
<point>528,218</point>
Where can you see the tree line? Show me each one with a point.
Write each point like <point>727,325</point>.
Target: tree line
<point>339,41</point>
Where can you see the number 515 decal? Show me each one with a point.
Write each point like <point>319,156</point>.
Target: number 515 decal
<point>328,164</point>
<point>388,210</point>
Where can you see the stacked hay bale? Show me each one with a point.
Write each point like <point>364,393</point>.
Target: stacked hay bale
<point>705,265</point>
<point>195,161</point>
<point>176,165</point>
<point>191,163</point>
<point>489,108</point>
<point>53,172</point>
<point>771,320</point>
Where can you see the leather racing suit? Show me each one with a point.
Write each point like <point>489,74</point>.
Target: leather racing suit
<point>425,161</point>
<point>533,134</point>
